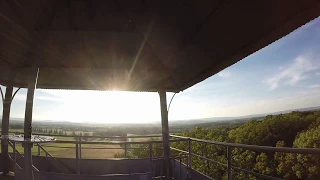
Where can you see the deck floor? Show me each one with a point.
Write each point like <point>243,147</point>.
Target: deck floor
<point>10,176</point>
<point>7,178</point>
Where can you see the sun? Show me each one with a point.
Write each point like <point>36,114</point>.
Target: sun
<point>110,106</point>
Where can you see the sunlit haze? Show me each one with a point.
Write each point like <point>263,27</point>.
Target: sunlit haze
<point>285,75</point>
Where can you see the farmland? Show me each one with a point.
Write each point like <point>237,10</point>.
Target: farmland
<point>68,150</point>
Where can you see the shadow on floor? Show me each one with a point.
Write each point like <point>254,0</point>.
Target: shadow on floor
<point>6,178</point>
<point>10,176</point>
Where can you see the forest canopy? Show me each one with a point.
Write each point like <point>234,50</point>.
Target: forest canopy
<point>295,129</point>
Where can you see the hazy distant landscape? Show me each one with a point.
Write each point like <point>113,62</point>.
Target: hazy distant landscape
<point>175,125</point>
<point>299,128</point>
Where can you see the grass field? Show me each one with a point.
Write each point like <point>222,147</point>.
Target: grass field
<point>68,132</point>
<point>68,150</point>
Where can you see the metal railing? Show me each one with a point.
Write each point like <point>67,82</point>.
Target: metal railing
<point>125,145</point>
<point>231,146</point>
<point>187,154</point>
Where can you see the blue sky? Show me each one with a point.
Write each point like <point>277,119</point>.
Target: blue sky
<point>284,75</point>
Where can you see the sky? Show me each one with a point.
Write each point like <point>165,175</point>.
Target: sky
<point>282,76</point>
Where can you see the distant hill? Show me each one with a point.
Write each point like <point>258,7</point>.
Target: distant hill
<point>247,117</point>
<point>189,122</point>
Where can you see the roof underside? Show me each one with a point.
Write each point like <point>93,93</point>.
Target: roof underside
<point>138,45</point>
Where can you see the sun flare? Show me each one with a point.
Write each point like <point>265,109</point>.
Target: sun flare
<point>109,106</point>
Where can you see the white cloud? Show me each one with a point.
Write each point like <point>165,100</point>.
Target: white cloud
<point>314,86</point>
<point>297,71</point>
<point>224,74</point>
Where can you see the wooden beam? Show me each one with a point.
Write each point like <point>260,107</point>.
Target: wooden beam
<point>165,131</point>
<point>5,122</point>
<point>32,83</point>
<point>5,128</point>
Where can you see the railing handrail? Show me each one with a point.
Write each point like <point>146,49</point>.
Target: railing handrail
<point>100,142</point>
<point>181,138</point>
<point>82,136</point>
<point>256,147</point>
<point>188,152</point>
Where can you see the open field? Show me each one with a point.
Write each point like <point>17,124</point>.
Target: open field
<point>68,150</point>
<point>68,132</point>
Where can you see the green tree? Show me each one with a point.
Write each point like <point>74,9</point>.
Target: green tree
<point>308,166</point>
<point>85,136</point>
<point>263,164</point>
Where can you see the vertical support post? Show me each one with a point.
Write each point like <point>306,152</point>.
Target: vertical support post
<point>32,83</point>
<point>5,127</point>
<point>165,131</point>
<point>77,158</point>
<point>229,154</point>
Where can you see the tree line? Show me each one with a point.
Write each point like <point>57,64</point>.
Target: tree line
<point>296,130</point>
<point>49,131</point>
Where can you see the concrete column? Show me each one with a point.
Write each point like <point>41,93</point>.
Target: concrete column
<point>5,128</point>
<point>32,83</point>
<point>165,131</point>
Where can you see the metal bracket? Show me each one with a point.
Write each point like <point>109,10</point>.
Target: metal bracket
<point>2,96</point>
<point>14,94</point>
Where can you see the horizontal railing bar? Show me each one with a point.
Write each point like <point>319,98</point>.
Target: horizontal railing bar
<point>202,157</point>
<point>96,142</point>
<point>171,157</point>
<point>179,150</point>
<point>111,137</point>
<point>72,147</point>
<point>257,148</point>
<point>256,174</point>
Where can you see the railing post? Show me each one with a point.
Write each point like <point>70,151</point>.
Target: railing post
<point>151,161</point>
<point>189,154</point>
<point>206,155</point>
<point>80,149</point>
<point>229,156</point>
<point>77,159</point>
<point>125,150</point>
<point>180,171</point>
<point>14,152</point>
<point>38,149</point>
<point>189,159</point>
